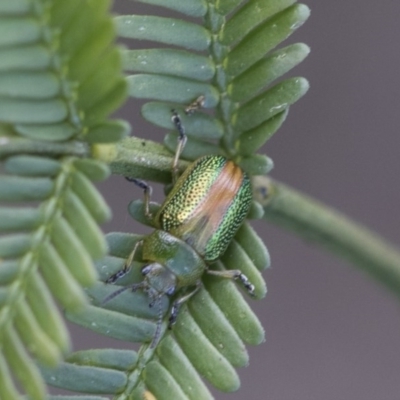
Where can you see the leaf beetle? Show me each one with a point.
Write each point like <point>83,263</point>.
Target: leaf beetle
<point>195,224</point>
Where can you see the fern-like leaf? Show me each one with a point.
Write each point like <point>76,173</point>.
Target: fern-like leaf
<point>59,79</point>
<point>228,58</point>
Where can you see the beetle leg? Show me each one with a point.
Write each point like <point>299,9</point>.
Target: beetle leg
<point>234,274</point>
<point>147,194</point>
<point>127,265</point>
<point>157,333</point>
<point>116,293</point>
<point>176,306</point>
<point>176,119</point>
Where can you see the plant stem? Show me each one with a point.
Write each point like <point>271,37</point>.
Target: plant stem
<point>138,158</point>
<point>332,230</point>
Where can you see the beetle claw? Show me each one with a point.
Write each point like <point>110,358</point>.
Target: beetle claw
<point>174,315</point>
<point>246,283</point>
<point>119,274</point>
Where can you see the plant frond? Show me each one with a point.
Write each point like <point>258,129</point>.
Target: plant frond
<point>218,329</point>
<point>59,80</point>
<point>229,57</point>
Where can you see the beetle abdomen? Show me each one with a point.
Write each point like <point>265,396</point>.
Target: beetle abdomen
<point>207,205</point>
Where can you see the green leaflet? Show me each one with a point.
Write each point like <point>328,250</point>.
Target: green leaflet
<point>55,270</point>
<point>41,85</point>
<point>49,132</point>
<point>136,210</point>
<point>226,6</point>
<point>160,382</point>
<point>213,366</point>
<point>13,188</point>
<point>8,272</point>
<point>7,388</point>
<point>18,31</point>
<point>93,169</point>
<point>181,369</point>
<point>115,324</point>
<point>29,111</point>
<point>85,59</point>
<point>101,82</point>
<point>171,62</point>
<point>236,258</point>
<point>121,244</point>
<point>183,34</point>
<point>16,7</point>
<point>85,379</point>
<point>72,251</point>
<point>105,358</point>
<point>88,232</point>
<point>171,89</point>
<point>204,125</point>
<point>21,365</point>
<point>83,19</point>
<point>39,298</point>
<point>108,102</point>
<point>32,166</point>
<point>253,246</point>
<point>92,199</point>
<point>258,164</point>
<point>255,212</point>
<point>31,57</point>
<point>30,331</point>
<point>107,132</point>
<point>250,141</point>
<point>220,333</point>
<point>194,8</point>
<point>14,246</point>
<point>269,103</point>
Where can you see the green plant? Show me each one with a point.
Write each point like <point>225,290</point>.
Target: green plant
<point>51,209</point>
<point>60,78</point>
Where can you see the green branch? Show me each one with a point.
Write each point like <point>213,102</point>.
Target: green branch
<point>330,229</point>
<point>282,205</point>
<point>138,158</point>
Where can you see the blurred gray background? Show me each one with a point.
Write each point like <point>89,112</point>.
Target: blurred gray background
<point>331,332</point>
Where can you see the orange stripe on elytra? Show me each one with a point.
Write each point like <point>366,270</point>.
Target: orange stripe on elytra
<point>221,194</point>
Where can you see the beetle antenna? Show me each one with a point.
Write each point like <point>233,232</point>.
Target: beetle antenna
<point>133,287</point>
<point>176,119</point>
<point>159,323</point>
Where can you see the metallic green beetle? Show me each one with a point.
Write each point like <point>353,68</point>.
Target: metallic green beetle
<point>194,226</point>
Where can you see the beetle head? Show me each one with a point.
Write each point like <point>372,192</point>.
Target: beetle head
<point>158,280</point>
